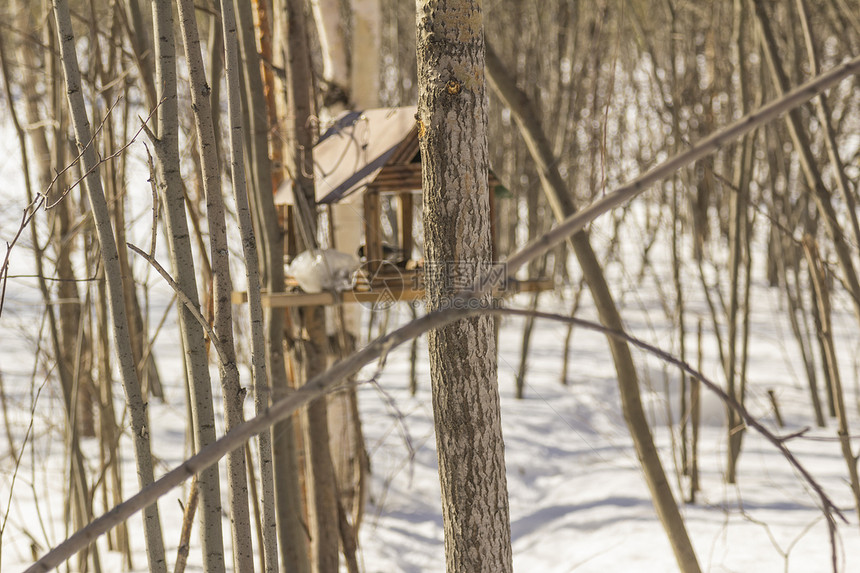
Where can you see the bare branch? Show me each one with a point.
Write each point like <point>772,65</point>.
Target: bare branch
<point>710,144</point>
<point>192,308</point>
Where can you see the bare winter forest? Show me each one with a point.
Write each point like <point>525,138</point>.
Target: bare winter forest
<point>378,285</point>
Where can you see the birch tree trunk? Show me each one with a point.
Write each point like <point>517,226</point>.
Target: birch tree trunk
<point>209,483</point>
<point>169,181</point>
<point>335,53</point>
<point>110,259</point>
<point>364,68</point>
<point>252,270</point>
<point>452,110</point>
<point>269,236</point>
<point>312,340</point>
<point>142,50</point>
<point>292,529</point>
<point>349,454</point>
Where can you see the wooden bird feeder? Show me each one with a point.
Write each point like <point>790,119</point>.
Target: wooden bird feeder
<point>361,158</point>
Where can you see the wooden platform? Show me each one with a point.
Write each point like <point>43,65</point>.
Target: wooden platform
<point>386,293</point>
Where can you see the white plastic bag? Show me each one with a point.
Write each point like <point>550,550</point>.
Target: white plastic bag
<point>327,269</point>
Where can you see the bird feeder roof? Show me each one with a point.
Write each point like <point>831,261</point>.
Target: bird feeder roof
<point>351,153</point>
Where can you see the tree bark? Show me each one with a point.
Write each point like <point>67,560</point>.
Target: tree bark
<point>335,53</point>
<point>364,61</point>
<point>142,51</point>
<point>110,259</point>
<point>269,236</point>
<point>452,112</point>
<point>170,186</point>
<point>249,250</point>
<point>209,483</point>
<point>312,339</point>
<point>292,529</point>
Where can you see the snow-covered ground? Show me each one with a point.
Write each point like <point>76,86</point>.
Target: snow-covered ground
<point>578,498</point>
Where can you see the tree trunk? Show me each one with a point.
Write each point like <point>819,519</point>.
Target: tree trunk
<point>170,185</point>
<point>269,237</point>
<point>738,238</point>
<point>335,55</point>
<point>831,363</point>
<point>249,245</point>
<point>349,454</point>
<point>110,259</point>
<point>209,482</point>
<point>292,528</point>
<point>312,339</point>
<point>452,110</point>
<point>364,65</point>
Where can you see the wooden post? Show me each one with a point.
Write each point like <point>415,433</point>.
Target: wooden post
<point>290,235</point>
<point>404,221</point>
<point>372,231</point>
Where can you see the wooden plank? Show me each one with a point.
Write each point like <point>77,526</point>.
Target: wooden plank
<point>372,230</point>
<point>382,291</point>
<point>534,285</point>
<point>408,179</point>
<point>404,223</point>
<point>394,177</point>
<point>398,186</point>
<point>286,300</point>
<point>395,171</point>
<point>399,170</point>
<point>408,148</point>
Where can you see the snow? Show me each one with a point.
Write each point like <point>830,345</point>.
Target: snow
<point>578,498</point>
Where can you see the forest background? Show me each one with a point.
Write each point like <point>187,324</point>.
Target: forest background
<point>587,98</point>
